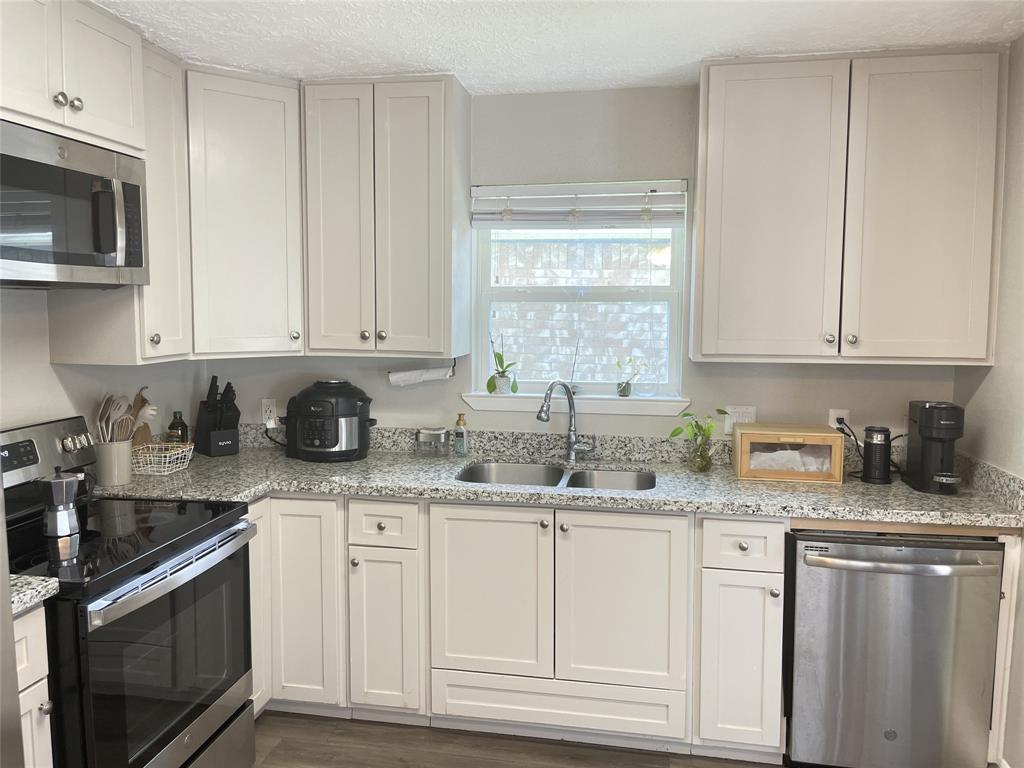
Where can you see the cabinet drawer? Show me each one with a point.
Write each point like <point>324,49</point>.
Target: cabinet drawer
<point>743,545</point>
<point>383,523</point>
<point>560,703</point>
<point>30,648</point>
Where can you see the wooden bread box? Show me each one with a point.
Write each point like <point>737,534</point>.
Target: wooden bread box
<point>792,452</point>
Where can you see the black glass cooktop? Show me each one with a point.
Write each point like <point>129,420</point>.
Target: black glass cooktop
<point>119,538</point>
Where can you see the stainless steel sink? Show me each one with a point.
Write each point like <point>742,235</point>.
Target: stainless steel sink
<point>512,474</point>
<point>613,480</point>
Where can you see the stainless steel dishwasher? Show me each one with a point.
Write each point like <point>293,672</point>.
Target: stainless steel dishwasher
<point>892,642</point>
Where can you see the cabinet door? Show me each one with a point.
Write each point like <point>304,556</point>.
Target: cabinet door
<point>920,206</point>
<point>621,599</point>
<point>30,58</point>
<point>383,606</point>
<point>35,726</point>
<point>410,210</point>
<point>103,72</point>
<point>167,300</point>
<point>246,213</point>
<point>773,218</point>
<point>304,599</point>
<point>260,557</point>
<point>741,657</point>
<point>492,589</point>
<point>339,216</point>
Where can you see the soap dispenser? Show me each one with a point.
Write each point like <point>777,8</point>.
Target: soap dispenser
<point>460,436</point>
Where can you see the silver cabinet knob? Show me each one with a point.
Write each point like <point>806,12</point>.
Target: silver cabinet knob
<point>381,526</point>
<point>77,104</point>
<point>364,335</point>
<point>46,708</point>
<point>743,546</point>
<point>68,444</point>
<point>295,335</point>
<point>564,527</point>
<point>382,335</point>
<point>851,338</point>
<point>830,338</point>
<point>155,339</point>
<point>774,592</point>
<point>355,562</point>
<point>544,524</point>
<point>60,99</point>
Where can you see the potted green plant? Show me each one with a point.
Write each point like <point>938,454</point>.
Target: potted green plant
<point>635,367</point>
<point>698,432</point>
<point>503,380</point>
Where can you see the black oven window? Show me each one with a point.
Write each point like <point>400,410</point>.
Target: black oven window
<point>55,216</point>
<point>153,671</point>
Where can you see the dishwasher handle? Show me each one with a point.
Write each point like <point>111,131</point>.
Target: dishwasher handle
<point>902,569</point>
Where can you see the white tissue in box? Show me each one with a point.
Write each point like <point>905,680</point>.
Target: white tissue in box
<point>809,458</point>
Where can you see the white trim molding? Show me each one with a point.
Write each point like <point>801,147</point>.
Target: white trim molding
<point>603,404</point>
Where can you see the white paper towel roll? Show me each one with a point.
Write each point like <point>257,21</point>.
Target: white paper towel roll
<point>406,378</point>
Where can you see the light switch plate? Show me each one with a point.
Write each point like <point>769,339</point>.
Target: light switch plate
<point>739,414</point>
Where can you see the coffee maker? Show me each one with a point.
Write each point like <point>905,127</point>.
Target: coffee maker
<point>933,429</point>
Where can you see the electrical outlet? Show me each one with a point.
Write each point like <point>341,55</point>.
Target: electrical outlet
<point>838,413</point>
<point>268,412</point>
<point>739,414</point>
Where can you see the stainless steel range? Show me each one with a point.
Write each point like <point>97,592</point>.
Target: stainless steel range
<point>149,635</point>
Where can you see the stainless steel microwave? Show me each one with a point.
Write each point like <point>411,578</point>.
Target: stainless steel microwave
<point>70,213</point>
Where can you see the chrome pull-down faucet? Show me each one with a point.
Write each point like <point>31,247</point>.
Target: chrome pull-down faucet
<point>573,445</point>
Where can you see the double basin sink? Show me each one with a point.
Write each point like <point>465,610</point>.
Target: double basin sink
<point>502,473</point>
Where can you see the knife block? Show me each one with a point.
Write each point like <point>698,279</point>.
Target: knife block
<point>214,442</point>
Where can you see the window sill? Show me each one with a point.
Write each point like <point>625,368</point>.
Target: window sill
<point>603,404</point>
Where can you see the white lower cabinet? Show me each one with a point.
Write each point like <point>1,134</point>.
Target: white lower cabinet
<point>491,589</point>
<point>34,704</point>
<point>741,657</point>
<point>384,640</point>
<point>621,585</point>
<point>260,557</point>
<point>305,599</point>
<point>560,703</point>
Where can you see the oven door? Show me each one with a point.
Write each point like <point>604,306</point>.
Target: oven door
<point>69,212</point>
<point>167,658</point>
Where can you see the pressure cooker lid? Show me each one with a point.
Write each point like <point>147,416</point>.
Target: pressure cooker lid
<point>335,389</point>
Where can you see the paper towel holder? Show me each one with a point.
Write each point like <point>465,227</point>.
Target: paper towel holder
<point>455,362</point>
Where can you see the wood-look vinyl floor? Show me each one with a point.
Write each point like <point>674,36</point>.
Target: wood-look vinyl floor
<point>298,741</point>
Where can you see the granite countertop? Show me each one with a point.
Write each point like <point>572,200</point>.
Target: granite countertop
<point>257,472</point>
<point>28,592</point>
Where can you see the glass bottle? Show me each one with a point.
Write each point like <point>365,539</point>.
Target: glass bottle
<point>460,436</point>
<point>177,430</point>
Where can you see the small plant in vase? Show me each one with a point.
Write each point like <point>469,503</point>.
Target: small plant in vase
<point>635,367</point>
<point>503,380</point>
<point>698,432</point>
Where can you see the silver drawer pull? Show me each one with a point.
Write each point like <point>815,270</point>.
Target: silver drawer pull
<point>355,562</point>
<point>774,592</point>
<point>544,524</point>
<point>381,526</point>
<point>743,546</point>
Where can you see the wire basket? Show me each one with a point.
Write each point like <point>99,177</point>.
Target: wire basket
<point>161,458</point>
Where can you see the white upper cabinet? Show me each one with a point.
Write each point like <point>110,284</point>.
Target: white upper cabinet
<point>72,64</point>
<point>387,189</point>
<point>246,214</point>
<point>167,300</point>
<point>621,584</point>
<point>922,166</point>
<point>847,216</point>
<point>491,597</point>
<point>339,216</point>
<point>773,209</point>
<point>31,58</point>
<point>409,145</point>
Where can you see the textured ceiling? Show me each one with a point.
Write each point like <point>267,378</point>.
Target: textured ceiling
<point>523,46</point>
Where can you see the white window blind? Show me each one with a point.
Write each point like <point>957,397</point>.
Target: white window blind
<point>626,204</point>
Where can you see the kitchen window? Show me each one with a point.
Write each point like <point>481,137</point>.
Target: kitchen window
<point>582,282</point>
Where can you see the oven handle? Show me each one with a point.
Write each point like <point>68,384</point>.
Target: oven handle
<point>120,228</point>
<point>150,586</point>
<point>902,569</point>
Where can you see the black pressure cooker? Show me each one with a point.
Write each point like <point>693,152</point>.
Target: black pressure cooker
<point>329,421</point>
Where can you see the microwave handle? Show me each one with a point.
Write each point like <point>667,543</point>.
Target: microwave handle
<point>119,224</point>
<point>105,610</point>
